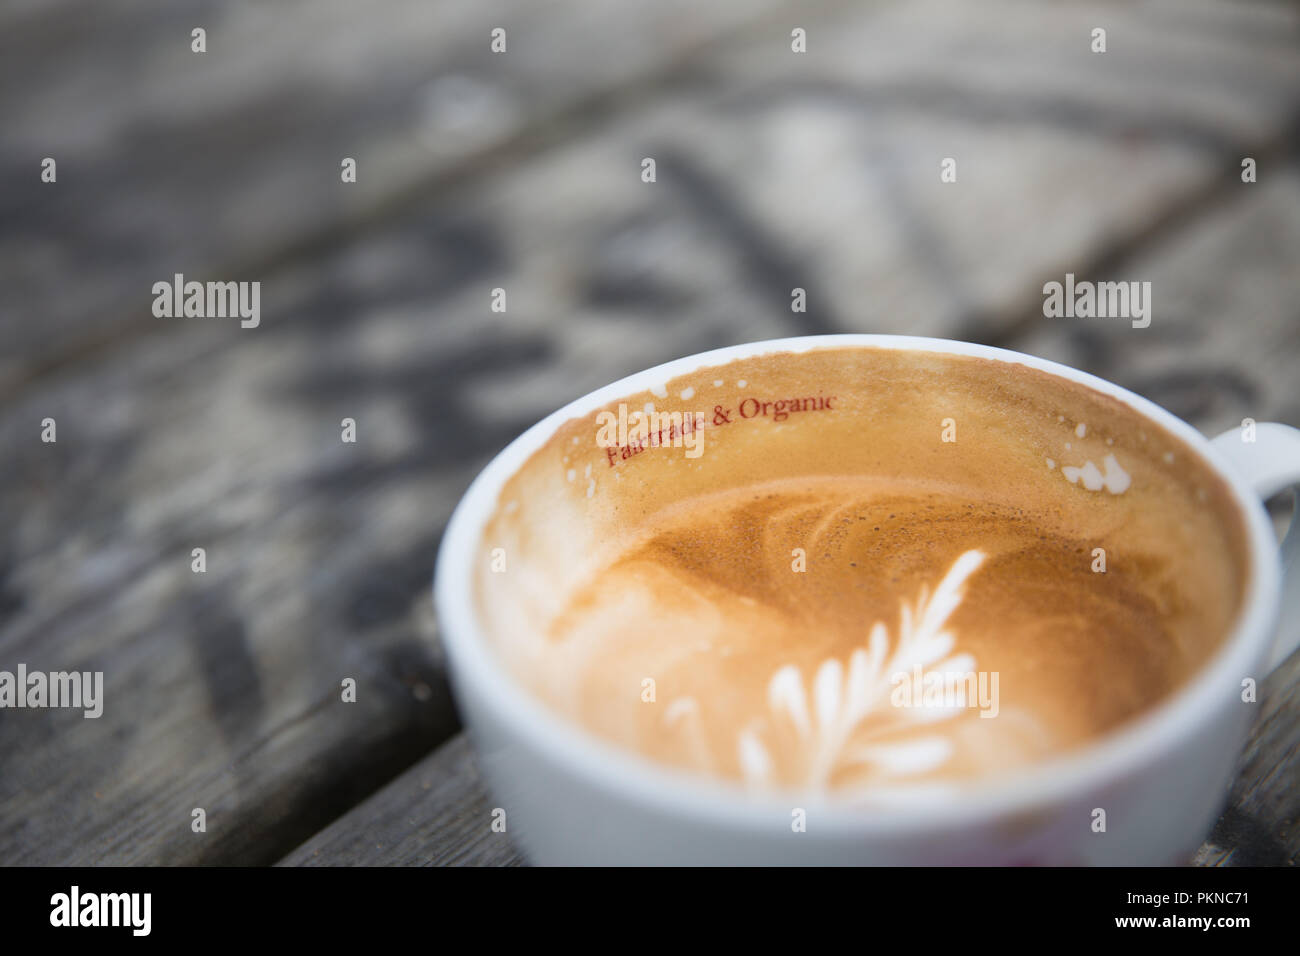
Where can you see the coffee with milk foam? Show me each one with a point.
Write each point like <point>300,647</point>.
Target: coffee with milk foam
<point>881,571</point>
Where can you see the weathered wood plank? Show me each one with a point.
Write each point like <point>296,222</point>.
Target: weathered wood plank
<point>1260,826</point>
<point>1064,157</point>
<point>438,813</point>
<point>214,164</point>
<point>1224,338</point>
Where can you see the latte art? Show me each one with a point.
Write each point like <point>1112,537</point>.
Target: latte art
<point>957,568</point>
<point>843,703</point>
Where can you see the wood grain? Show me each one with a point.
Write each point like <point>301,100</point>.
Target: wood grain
<point>438,813</point>
<point>218,164</point>
<point>1259,828</point>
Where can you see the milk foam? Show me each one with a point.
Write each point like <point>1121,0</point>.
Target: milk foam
<point>748,614</point>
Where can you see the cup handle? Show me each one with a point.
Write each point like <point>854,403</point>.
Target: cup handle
<point>1271,463</point>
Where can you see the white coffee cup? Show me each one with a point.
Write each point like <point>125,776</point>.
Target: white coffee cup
<point>1161,779</point>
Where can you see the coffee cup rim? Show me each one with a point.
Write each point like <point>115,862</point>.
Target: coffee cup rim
<point>1118,753</point>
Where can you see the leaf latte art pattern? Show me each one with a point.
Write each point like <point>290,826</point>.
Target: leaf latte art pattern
<point>847,724</point>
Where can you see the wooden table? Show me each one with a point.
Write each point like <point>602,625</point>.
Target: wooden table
<point>521,170</point>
